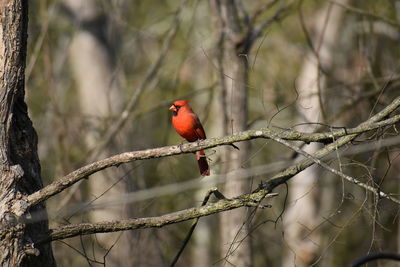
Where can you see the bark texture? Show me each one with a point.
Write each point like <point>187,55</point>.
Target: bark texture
<point>235,246</point>
<point>19,163</point>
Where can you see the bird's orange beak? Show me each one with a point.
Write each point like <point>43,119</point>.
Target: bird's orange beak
<point>173,108</point>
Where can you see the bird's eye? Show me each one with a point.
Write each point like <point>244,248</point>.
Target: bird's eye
<point>178,107</point>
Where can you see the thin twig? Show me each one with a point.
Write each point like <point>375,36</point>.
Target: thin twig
<point>260,10</point>
<point>375,256</point>
<point>280,13</point>
<point>288,173</point>
<point>368,14</point>
<point>211,191</point>
<point>353,180</point>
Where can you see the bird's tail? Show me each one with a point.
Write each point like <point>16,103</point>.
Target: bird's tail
<point>203,164</point>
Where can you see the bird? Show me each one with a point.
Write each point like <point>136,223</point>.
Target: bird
<point>188,125</point>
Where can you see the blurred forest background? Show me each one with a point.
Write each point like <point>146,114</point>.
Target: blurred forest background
<point>101,75</point>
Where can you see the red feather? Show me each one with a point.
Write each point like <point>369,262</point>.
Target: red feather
<point>188,125</point>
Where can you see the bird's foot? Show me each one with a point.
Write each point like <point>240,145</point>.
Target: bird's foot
<point>180,147</point>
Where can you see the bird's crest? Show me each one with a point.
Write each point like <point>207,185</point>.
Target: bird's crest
<point>180,103</point>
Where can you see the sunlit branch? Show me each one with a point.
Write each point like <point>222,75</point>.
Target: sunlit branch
<point>291,171</point>
<point>349,178</point>
<point>71,230</point>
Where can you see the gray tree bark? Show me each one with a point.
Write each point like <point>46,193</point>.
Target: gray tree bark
<point>234,243</point>
<point>19,163</point>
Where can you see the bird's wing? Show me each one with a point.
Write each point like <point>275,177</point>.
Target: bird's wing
<point>201,134</point>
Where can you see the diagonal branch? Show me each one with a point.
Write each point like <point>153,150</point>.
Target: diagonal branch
<point>346,135</point>
<point>349,178</point>
<point>368,14</point>
<point>291,171</point>
<point>280,13</point>
<point>71,230</point>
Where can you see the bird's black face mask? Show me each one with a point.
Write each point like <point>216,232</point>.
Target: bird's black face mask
<point>175,112</point>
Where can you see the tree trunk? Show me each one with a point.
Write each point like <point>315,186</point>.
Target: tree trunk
<point>302,215</point>
<point>235,244</point>
<point>235,241</point>
<point>20,167</point>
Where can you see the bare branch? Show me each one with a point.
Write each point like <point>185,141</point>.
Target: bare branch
<point>280,13</point>
<point>348,135</point>
<point>375,256</point>
<point>71,230</point>
<point>260,10</point>
<point>353,180</point>
<point>368,14</point>
<point>288,173</point>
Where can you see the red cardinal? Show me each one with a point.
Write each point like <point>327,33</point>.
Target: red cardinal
<point>188,125</point>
